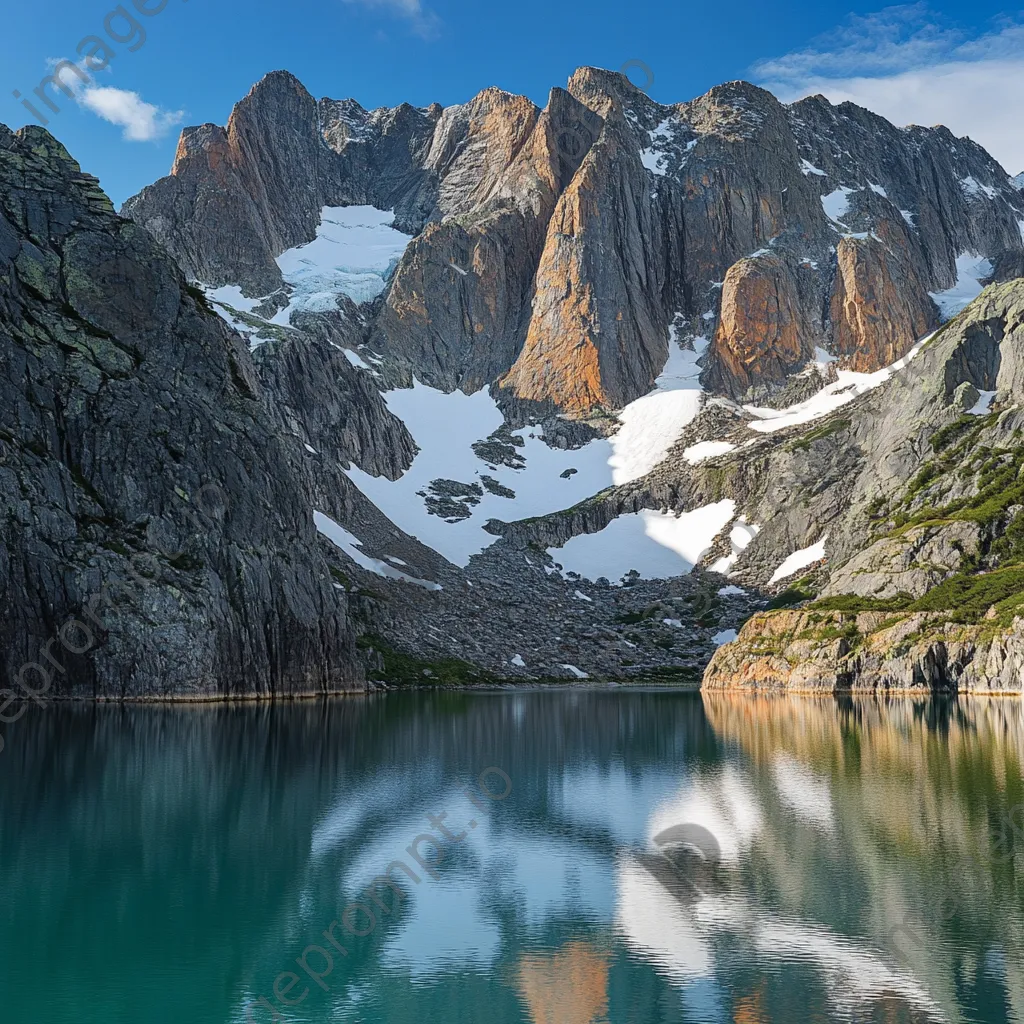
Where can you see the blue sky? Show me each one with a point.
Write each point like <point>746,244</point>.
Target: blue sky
<point>923,62</point>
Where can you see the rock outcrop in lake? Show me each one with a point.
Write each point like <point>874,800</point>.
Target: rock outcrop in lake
<point>923,583</point>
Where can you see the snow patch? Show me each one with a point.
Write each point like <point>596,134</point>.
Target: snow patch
<point>353,253</point>
<point>517,660</point>
<point>971,269</point>
<point>352,547</point>
<point>845,388</point>
<point>725,637</point>
<point>654,158</point>
<point>231,295</point>
<point>705,450</point>
<point>578,673</point>
<point>740,537</point>
<point>808,168</point>
<point>836,203</point>
<point>227,301</point>
<point>445,427</point>
<point>973,189</point>
<point>658,545</point>
<point>878,190</point>
<point>983,404</point>
<point>354,359</point>
<point>731,591</point>
<point>800,560</point>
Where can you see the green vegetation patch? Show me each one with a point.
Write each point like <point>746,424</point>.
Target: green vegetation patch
<point>802,590</point>
<point>804,442</point>
<point>403,669</point>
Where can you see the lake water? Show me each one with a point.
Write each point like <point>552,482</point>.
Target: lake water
<point>619,856</point>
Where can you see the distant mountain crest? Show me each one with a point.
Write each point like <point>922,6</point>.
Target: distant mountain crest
<point>592,225</point>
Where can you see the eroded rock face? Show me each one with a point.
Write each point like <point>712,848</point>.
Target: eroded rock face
<point>879,307</point>
<point>805,652</point>
<point>597,331</point>
<point>762,336</point>
<point>147,491</point>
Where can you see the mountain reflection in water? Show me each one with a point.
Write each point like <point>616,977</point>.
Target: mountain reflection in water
<point>662,856</point>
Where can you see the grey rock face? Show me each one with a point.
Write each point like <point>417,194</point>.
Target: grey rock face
<point>239,196</point>
<point>316,393</point>
<point>911,564</point>
<point>155,523</point>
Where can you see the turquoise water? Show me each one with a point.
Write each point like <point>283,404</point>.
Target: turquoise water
<point>614,856</point>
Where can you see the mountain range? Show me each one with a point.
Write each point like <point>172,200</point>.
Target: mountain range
<point>487,393</point>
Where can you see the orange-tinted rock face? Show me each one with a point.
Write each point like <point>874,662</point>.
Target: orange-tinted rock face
<point>596,336</point>
<point>455,309</point>
<point>878,308</point>
<point>208,144</point>
<point>761,333</point>
<point>475,147</point>
<point>559,362</point>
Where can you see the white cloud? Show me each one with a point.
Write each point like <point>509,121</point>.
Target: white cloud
<point>141,121</point>
<point>422,21</point>
<point>905,65</point>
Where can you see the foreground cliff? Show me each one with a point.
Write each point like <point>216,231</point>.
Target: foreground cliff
<point>155,526</point>
<point>923,583</point>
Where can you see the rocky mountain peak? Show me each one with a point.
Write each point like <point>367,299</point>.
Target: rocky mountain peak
<point>586,229</point>
<point>596,88</point>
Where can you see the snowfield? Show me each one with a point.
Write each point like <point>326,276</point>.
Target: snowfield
<point>353,253</point>
<point>657,545</point>
<point>651,424</point>
<point>446,426</point>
